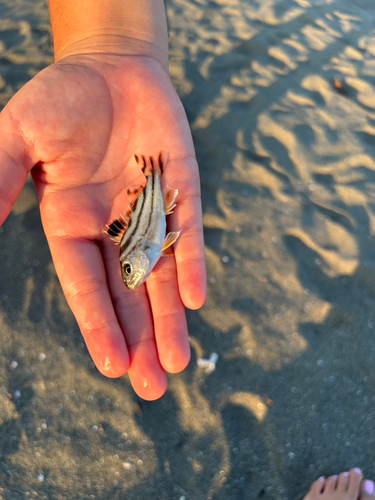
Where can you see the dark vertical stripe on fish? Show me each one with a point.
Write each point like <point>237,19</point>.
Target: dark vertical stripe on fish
<point>151,202</point>
<point>128,234</point>
<point>130,242</point>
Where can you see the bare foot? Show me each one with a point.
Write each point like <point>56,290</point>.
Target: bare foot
<point>346,486</point>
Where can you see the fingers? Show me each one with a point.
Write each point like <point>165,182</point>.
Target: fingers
<point>134,315</point>
<point>79,266</point>
<point>15,162</point>
<point>171,331</point>
<point>187,217</point>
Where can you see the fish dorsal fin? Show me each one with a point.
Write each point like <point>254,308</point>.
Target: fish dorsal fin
<point>151,164</point>
<point>117,227</point>
<point>168,242</point>
<point>169,196</point>
<point>133,194</point>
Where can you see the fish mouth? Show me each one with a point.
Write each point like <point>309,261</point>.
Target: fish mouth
<point>133,283</point>
<point>130,286</point>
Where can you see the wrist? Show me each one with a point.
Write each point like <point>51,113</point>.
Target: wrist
<point>112,44</point>
<point>120,27</point>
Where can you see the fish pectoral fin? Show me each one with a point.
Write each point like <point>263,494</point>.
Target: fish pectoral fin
<point>167,253</point>
<point>169,196</point>
<point>116,229</point>
<point>169,240</point>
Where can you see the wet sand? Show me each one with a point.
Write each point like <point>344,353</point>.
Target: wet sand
<point>281,99</point>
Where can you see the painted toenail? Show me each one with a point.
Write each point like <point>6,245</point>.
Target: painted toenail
<point>346,474</point>
<point>358,471</point>
<point>368,487</point>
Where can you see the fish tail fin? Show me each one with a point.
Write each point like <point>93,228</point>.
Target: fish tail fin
<point>151,164</point>
<point>162,161</point>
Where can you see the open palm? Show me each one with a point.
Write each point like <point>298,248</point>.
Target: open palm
<point>76,126</point>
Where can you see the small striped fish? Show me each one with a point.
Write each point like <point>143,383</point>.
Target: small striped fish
<point>141,232</point>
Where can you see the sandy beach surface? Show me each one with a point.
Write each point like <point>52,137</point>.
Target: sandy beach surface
<point>280,95</point>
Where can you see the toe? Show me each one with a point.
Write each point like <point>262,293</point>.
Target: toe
<point>330,484</point>
<point>367,490</point>
<point>316,488</point>
<point>342,482</point>
<point>355,478</point>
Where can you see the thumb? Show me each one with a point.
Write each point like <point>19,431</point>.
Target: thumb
<point>15,161</point>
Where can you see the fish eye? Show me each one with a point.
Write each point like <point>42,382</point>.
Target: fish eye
<point>127,269</point>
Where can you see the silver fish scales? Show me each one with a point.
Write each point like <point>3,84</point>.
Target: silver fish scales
<point>141,232</point>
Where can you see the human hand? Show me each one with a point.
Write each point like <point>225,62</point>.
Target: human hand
<point>76,127</point>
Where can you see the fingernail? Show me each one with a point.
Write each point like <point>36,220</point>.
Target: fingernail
<point>368,487</point>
